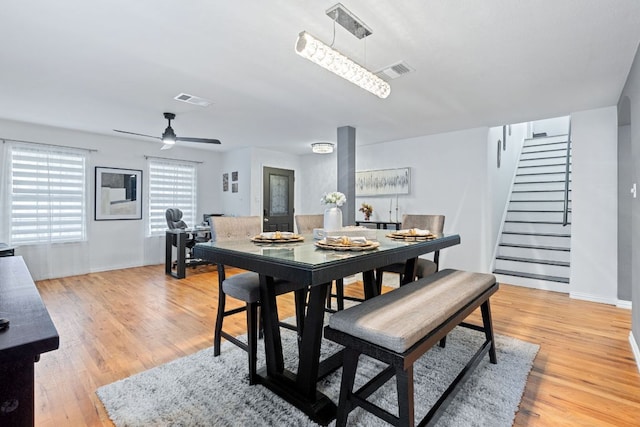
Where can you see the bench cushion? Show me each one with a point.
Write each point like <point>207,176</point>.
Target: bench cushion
<point>398,319</point>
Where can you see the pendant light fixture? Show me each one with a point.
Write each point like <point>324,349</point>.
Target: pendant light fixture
<point>316,51</point>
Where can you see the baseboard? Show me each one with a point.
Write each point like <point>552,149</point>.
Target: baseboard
<point>635,349</point>
<point>593,298</point>
<point>624,304</point>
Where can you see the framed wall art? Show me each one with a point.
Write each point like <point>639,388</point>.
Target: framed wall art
<point>383,182</point>
<point>118,194</point>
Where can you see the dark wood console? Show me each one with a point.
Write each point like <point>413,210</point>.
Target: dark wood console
<point>30,333</point>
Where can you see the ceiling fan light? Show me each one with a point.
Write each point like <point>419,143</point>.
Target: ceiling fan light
<point>322,147</point>
<point>169,136</point>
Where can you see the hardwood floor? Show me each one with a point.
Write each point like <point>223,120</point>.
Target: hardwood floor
<point>117,323</point>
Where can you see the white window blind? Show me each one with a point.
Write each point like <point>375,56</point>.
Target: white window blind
<point>172,184</point>
<point>46,195</point>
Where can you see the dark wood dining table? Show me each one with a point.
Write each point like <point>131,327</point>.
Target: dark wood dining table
<point>313,269</point>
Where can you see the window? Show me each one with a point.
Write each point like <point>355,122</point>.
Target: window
<point>46,194</point>
<point>172,184</point>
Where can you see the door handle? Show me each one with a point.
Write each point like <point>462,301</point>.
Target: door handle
<point>634,190</point>
<point>266,220</point>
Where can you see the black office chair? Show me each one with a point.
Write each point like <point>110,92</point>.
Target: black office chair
<point>174,221</point>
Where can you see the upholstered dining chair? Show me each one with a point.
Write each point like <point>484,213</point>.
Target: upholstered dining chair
<point>305,225</point>
<point>245,287</point>
<point>424,267</point>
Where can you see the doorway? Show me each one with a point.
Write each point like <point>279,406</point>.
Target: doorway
<point>277,200</point>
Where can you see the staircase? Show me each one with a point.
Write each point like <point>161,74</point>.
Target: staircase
<point>534,248</point>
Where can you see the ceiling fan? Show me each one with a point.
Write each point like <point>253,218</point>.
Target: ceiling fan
<point>169,137</point>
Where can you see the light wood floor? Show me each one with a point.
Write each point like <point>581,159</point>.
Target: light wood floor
<point>118,323</point>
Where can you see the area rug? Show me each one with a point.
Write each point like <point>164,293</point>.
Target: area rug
<point>203,390</point>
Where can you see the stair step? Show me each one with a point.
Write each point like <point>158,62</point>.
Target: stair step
<point>541,173</point>
<point>546,248</point>
<point>535,210</point>
<point>545,151</point>
<point>542,158</point>
<point>543,166</point>
<point>532,276</point>
<point>535,222</point>
<point>534,261</point>
<point>544,144</point>
<point>523,233</point>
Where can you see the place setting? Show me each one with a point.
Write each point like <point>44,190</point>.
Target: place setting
<point>347,243</point>
<point>412,235</point>
<point>277,237</point>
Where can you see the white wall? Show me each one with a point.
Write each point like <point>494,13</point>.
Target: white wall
<point>594,265</point>
<point>111,244</point>
<point>237,204</point>
<point>449,176</point>
<point>501,179</point>
<point>318,175</point>
<point>554,126</point>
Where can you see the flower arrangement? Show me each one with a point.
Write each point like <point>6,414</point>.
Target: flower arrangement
<point>335,197</point>
<point>367,210</point>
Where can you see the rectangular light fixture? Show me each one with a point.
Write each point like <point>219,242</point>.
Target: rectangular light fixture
<point>316,51</point>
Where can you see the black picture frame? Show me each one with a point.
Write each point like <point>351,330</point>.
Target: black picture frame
<point>118,194</point>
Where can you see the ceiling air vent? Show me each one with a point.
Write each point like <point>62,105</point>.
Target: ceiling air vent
<point>394,71</point>
<point>194,100</point>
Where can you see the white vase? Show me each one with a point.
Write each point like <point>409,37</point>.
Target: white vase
<point>332,219</point>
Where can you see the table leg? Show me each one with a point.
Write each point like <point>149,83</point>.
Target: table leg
<point>371,288</point>
<point>298,389</point>
<point>409,271</point>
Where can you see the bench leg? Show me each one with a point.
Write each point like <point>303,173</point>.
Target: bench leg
<point>252,340</point>
<point>349,366</point>
<point>404,380</point>
<point>488,330</point>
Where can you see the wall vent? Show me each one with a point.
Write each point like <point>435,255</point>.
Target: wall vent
<point>394,71</point>
<point>194,100</point>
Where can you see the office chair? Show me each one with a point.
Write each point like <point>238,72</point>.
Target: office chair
<point>424,267</point>
<point>246,287</point>
<point>174,221</point>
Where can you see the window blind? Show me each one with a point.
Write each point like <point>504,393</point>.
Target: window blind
<point>172,184</point>
<point>47,196</point>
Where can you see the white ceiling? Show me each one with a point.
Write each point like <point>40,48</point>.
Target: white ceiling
<point>103,65</point>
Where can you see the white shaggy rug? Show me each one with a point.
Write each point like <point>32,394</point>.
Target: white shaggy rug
<point>203,390</point>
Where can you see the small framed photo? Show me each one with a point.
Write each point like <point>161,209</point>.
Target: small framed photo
<point>225,182</point>
<point>234,176</point>
<point>234,187</point>
<point>118,194</point>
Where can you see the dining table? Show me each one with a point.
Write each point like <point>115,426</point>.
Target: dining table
<point>313,267</point>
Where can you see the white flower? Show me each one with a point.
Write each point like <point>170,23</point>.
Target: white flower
<point>334,197</point>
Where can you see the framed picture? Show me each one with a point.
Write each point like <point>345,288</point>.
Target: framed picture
<point>225,182</point>
<point>118,194</point>
<point>383,182</point>
<point>234,187</point>
<point>234,176</point>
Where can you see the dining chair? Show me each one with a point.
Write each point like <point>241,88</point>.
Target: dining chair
<point>246,287</point>
<point>424,267</point>
<point>305,225</point>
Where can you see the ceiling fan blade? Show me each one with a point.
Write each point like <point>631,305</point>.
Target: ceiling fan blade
<point>138,134</point>
<point>205,140</point>
<point>167,146</point>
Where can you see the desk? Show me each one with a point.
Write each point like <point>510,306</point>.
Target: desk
<point>6,250</point>
<point>181,237</point>
<point>30,333</point>
<point>307,265</point>
<point>380,224</point>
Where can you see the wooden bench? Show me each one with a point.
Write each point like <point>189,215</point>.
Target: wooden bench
<point>400,326</point>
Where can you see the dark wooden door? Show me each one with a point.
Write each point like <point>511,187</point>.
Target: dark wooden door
<point>277,199</point>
